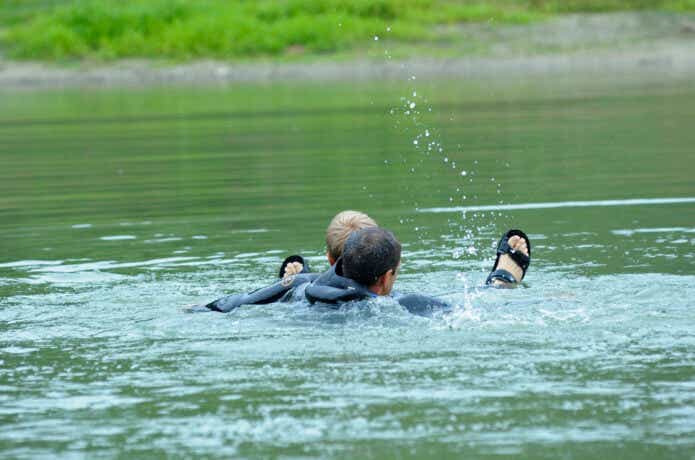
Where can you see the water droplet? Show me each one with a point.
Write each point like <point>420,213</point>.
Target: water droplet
<point>427,133</point>
<point>414,93</point>
<point>412,77</point>
<point>412,105</point>
<point>463,173</point>
<point>415,141</point>
<point>446,159</point>
<point>376,38</point>
<point>388,29</point>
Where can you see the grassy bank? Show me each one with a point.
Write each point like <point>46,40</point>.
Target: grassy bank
<point>181,30</point>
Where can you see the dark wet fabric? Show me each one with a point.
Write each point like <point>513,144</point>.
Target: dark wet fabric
<point>422,305</point>
<point>281,291</point>
<point>332,287</point>
<point>329,288</point>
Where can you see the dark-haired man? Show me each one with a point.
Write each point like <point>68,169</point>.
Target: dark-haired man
<point>372,258</point>
<point>367,268</point>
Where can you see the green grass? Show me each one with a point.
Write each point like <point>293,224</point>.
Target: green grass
<point>181,30</point>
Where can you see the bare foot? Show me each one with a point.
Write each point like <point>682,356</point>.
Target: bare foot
<point>292,269</point>
<point>506,262</point>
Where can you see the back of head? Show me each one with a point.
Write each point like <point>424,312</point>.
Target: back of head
<point>369,253</point>
<point>340,228</point>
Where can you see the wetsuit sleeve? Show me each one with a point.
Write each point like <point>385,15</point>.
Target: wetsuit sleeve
<point>277,292</point>
<point>423,305</point>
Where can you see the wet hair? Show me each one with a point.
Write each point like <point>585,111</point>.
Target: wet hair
<point>369,253</point>
<point>340,228</point>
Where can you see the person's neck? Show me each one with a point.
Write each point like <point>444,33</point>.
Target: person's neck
<point>376,289</point>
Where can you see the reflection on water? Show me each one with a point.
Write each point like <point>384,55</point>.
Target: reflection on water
<point>111,225</point>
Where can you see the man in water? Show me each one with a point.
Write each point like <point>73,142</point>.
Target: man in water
<point>368,268</point>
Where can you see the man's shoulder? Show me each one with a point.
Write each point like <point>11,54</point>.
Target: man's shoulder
<point>421,304</point>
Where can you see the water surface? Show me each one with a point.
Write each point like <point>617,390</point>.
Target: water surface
<point>117,207</point>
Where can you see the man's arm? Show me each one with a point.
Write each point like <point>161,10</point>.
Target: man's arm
<point>276,292</point>
<point>290,270</point>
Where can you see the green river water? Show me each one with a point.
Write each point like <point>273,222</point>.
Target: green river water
<point>120,206</point>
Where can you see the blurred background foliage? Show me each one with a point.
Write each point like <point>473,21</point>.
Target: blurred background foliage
<point>223,29</point>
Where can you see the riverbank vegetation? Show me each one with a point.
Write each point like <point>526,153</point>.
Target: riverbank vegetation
<point>232,29</point>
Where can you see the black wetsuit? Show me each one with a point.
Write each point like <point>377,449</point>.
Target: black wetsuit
<point>329,287</point>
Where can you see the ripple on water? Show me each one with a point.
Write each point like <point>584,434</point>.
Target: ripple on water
<point>117,237</point>
<point>630,232</point>
<point>566,359</point>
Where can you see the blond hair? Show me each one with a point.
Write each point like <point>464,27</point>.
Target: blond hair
<point>340,228</point>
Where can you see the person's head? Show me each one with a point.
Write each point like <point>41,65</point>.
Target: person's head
<point>340,228</point>
<point>371,257</point>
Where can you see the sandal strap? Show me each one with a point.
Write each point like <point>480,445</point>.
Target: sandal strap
<point>521,259</point>
<point>502,275</point>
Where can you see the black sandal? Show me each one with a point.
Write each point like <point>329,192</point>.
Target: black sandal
<point>291,259</point>
<point>521,259</point>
